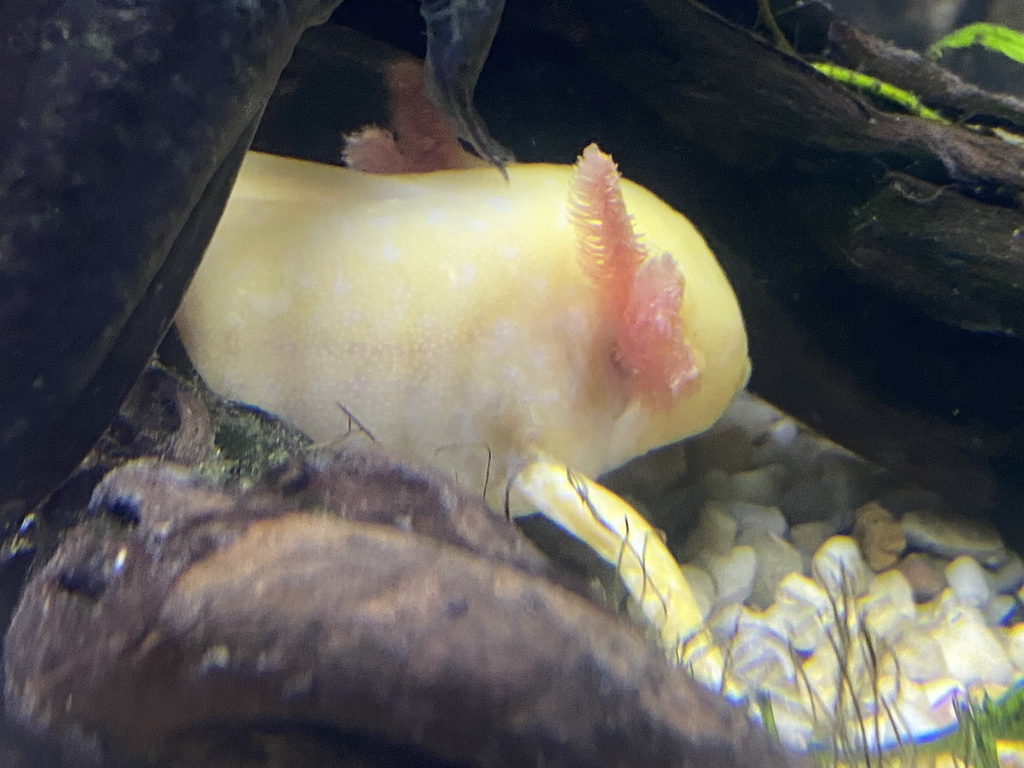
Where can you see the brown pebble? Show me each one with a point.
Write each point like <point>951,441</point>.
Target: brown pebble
<point>879,536</point>
<point>926,581</point>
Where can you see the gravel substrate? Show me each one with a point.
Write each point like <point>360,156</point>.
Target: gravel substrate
<point>860,609</point>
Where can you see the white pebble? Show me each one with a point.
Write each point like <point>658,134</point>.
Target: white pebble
<point>925,709</point>
<point>894,587</point>
<point>951,536</point>
<point>971,650</point>
<point>882,730</point>
<point>1008,577</point>
<point>775,443</point>
<point>733,574</point>
<point>776,559</point>
<point>794,723</point>
<point>714,533</point>
<point>783,431</point>
<point>882,618</point>
<point>943,692</point>
<point>805,631</point>
<point>758,518</point>
<point>822,675</point>
<point>846,631</point>
<point>807,537</point>
<point>1015,646</point>
<point>839,568</point>
<point>758,486</point>
<point>759,657</point>
<point>702,586</point>
<point>999,609</point>
<point>916,657</point>
<point>803,594</point>
<point>802,611</point>
<point>724,621</point>
<point>888,609</point>
<point>751,413</point>
<point>967,580</point>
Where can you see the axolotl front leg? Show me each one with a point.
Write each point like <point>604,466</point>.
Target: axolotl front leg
<point>622,538</point>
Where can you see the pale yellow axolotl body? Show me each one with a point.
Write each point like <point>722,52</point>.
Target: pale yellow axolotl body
<point>513,333</point>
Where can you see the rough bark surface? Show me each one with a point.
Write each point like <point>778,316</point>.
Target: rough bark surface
<point>122,127</point>
<point>432,631</point>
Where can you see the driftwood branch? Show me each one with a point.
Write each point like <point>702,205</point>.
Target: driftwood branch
<point>392,616</point>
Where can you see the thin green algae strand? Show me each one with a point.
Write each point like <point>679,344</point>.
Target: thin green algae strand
<point>880,89</point>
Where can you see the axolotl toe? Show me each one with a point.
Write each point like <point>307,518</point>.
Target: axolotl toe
<point>523,335</point>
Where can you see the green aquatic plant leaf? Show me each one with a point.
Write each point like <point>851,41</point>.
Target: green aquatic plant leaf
<point>994,37</point>
<point>978,743</point>
<point>1005,715</point>
<point>764,706</point>
<point>766,17</point>
<point>980,726</point>
<point>880,89</point>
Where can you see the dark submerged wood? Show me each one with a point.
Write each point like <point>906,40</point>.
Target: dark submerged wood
<point>121,129</point>
<point>349,596</point>
<point>878,256</point>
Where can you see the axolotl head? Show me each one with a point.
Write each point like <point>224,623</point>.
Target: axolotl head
<point>675,332</point>
<point>566,313</point>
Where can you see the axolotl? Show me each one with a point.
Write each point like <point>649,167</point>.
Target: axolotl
<point>525,335</point>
